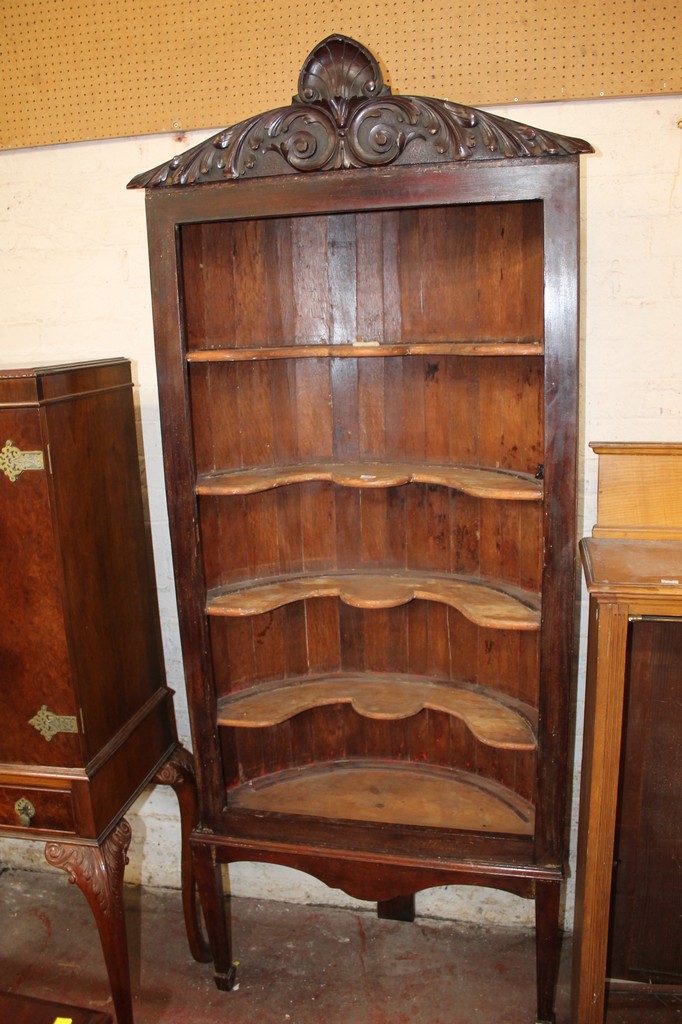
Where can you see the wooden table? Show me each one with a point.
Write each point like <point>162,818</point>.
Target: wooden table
<point>626,579</point>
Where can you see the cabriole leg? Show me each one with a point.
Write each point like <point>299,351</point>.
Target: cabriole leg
<point>98,873</point>
<point>178,772</point>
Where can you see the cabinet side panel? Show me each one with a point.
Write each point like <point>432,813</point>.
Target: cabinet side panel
<point>106,561</point>
<point>557,666</point>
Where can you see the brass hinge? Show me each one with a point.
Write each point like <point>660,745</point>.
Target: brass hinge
<point>14,462</point>
<point>48,724</point>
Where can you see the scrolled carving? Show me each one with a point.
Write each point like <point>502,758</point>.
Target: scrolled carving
<point>378,134</point>
<point>344,117</point>
<point>178,769</point>
<point>305,138</point>
<point>96,870</point>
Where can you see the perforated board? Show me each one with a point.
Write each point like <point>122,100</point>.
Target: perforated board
<point>88,69</point>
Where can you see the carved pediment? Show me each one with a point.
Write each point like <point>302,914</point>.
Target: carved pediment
<point>345,116</point>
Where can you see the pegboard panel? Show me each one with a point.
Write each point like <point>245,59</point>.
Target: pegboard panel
<point>89,69</point>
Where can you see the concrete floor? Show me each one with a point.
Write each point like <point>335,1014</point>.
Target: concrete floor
<point>297,964</point>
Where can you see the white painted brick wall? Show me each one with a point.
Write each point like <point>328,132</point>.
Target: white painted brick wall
<point>74,285</point>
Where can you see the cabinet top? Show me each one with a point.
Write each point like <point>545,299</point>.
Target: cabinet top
<point>41,384</point>
<point>620,566</point>
<point>344,116</point>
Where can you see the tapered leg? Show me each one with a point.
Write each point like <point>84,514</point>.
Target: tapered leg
<point>98,873</point>
<point>216,912</point>
<point>178,772</point>
<point>548,947</point>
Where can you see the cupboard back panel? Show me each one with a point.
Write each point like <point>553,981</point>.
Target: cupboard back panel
<point>317,526</point>
<point>324,635</point>
<point>427,274</point>
<point>338,733</point>
<point>478,411</point>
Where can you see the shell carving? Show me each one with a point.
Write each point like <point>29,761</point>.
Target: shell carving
<point>338,72</point>
<point>344,116</point>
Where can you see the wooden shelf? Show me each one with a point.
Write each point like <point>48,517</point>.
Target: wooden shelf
<point>384,696</point>
<point>480,483</point>
<point>430,348</point>
<point>486,604</point>
<point>395,792</point>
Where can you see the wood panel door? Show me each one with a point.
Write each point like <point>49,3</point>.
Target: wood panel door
<point>646,907</point>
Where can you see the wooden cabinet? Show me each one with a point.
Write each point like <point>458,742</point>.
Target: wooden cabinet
<point>628,933</point>
<point>365,312</point>
<point>87,718</point>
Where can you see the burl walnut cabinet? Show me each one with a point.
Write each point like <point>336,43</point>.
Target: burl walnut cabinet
<point>365,312</point>
<point>87,717</point>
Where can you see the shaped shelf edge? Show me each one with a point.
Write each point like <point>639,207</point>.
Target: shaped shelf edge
<point>480,483</point>
<point>489,604</point>
<point>387,696</point>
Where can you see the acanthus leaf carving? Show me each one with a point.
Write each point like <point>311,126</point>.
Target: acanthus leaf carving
<point>96,870</point>
<point>345,117</point>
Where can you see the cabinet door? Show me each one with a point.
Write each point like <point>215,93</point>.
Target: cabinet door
<point>646,918</point>
<point>34,661</point>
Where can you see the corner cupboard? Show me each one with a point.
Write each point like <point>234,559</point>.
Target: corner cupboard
<point>365,312</point>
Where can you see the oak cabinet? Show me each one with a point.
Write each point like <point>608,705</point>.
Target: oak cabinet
<point>365,312</point>
<point>627,961</point>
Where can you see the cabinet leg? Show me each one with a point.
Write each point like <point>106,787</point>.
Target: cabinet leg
<point>98,873</point>
<point>178,772</point>
<point>547,947</point>
<point>216,910</point>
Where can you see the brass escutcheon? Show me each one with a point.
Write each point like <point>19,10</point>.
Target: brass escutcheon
<point>14,462</point>
<point>48,724</point>
<point>24,811</point>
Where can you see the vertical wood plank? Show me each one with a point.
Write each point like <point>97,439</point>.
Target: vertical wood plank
<point>310,292</point>
<point>342,278</point>
<point>598,793</point>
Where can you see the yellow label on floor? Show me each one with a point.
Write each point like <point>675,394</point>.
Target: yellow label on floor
<point>63,1020</point>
